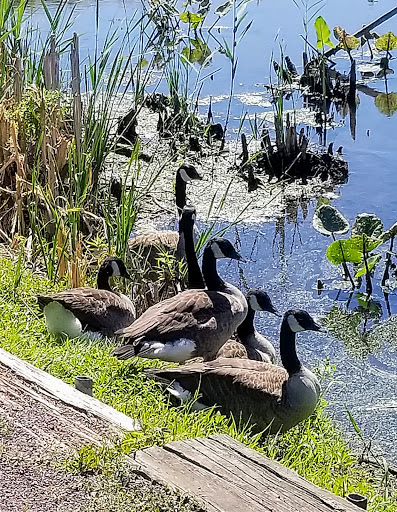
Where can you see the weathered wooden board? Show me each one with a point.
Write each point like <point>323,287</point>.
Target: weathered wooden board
<point>226,476</point>
<point>59,389</point>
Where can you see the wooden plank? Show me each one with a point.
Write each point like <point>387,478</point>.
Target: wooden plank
<point>59,389</point>
<point>225,475</point>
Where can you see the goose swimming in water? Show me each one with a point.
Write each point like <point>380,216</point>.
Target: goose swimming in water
<point>263,394</point>
<point>194,323</point>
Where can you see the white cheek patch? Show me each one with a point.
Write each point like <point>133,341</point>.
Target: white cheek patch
<point>217,251</point>
<point>254,303</point>
<point>184,175</point>
<point>115,269</point>
<point>294,325</point>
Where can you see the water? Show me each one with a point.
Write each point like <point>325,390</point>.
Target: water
<point>288,256</point>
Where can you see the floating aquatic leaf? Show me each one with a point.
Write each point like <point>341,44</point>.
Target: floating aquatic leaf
<point>191,17</point>
<point>344,250</point>
<point>390,233</point>
<point>371,262</point>
<point>387,42</point>
<point>368,224</point>
<point>346,41</point>
<point>327,220</point>
<point>386,103</point>
<point>323,32</point>
<point>224,8</point>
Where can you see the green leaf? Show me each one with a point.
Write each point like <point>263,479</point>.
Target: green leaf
<point>370,243</point>
<point>191,17</point>
<point>387,42</point>
<point>198,51</point>
<point>327,220</point>
<point>323,33</point>
<point>224,8</point>
<point>344,250</point>
<point>368,224</point>
<point>386,103</point>
<point>371,261</point>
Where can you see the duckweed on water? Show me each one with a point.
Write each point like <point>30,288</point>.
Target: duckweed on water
<point>315,448</point>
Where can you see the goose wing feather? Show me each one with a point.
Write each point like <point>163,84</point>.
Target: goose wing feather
<point>233,349</point>
<point>167,239</point>
<point>100,310</point>
<point>191,310</point>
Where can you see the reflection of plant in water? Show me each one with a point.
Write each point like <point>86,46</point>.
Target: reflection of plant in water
<point>386,103</point>
<point>351,327</point>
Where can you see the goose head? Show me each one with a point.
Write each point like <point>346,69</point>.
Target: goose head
<point>187,173</point>
<point>113,267</point>
<point>299,320</point>
<point>259,300</point>
<point>222,248</point>
<point>188,218</point>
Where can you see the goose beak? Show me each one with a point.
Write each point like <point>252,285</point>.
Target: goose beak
<point>316,327</point>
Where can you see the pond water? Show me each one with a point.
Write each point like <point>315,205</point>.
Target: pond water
<point>287,256</point>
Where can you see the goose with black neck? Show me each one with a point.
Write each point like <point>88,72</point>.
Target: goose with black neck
<point>194,323</point>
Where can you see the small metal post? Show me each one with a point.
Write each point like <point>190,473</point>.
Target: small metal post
<point>358,499</point>
<point>83,384</point>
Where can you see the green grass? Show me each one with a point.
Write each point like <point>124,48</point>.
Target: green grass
<point>315,448</point>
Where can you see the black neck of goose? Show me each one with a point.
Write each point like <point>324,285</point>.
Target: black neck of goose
<point>211,277</point>
<point>180,193</point>
<point>103,281</point>
<point>194,275</point>
<point>247,326</point>
<point>288,354</point>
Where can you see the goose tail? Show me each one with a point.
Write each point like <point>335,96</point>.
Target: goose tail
<point>124,352</point>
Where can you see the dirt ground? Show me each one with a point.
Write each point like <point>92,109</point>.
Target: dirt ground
<point>37,433</point>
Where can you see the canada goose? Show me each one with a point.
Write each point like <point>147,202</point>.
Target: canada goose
<point>146,243</point>
<point>186,225</point>
<point>88,311</point>
<point>194,323</point>
<point>250,343</point>
<point>262,393</point>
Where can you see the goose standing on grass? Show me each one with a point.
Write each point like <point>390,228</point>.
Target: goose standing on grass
<point>194,323</point>
<point>88,311</point>
<point>148,243</point>
<point>263,394</point>
<point>250,344</point>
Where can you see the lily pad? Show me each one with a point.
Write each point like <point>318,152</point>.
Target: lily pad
<point>387,42</point>
<point>372,261</point>
<point>224,8</point>
<point>192,18</point>
<point>390,233</point>
<point>368,224</point>
<point>327,220</point>
<point>346,41</point>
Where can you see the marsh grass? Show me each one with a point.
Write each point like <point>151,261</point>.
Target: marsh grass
<point>315,448</point>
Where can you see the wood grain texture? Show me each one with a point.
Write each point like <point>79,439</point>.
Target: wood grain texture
<point>59,389</point>
<point>225,476</point>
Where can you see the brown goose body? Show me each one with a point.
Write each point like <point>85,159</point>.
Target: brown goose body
<point>89,311</point>
<point>265,395</point>
<point>101,311</point>
<point>194,323</point>
<point>149,245</point>
<point>249,343</point>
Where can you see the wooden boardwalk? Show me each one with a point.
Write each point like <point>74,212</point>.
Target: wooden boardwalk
<point>226,476</point>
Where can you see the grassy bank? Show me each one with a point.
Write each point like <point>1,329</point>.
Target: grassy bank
<point>315,448</point>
